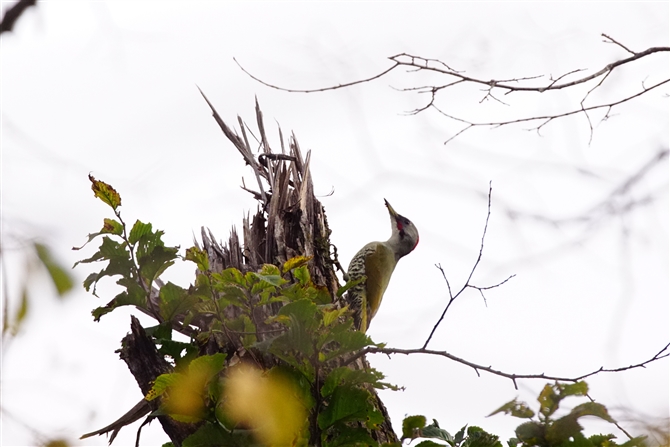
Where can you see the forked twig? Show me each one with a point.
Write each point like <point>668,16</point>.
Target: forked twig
<point>467,284</point>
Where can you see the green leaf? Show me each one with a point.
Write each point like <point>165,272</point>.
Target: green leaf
<point>162,383</point>
<point>563,429</point>
<point>294,292</point>
<point>347,340</point>
<point>516,409</point>
<point>350,284</point>
<point>591,409</point>
<point>460,435</point>
<point>330,316</point>
<point>154,264</point>
<point>602,440</point>
<point>105,192</point>
<point>322,295</point>
<point>549,400</point>
<point>139,230</point>
<point>96,257</point>
<point>295,262</point>
<point>296,338</point>
<point>530,433</point>
<point>110,226</point>
<point>232,295</point>
<point>175,301</point>
<point>92,279</point>
<point>274,280</point>
<point>411,426</point>
<point>207,365</point>
<point>303,311</point>
<point>344,376</point>
<point>429,444</point>
<point>434,431</point>
<point>270,270</point>
<point>133,296</point>
<point>244,325</point>
<point>161,331</point>
<point>551,395</point>
<point>573,389</point>
<point>213,435</point>
<point>231,276</point>
<point>345,404</point>
<point>480,438</point>
<point>60,278</point>
<point>352,437</point>
<point>118,257</point>
<point>175,348</point>
<point>302,275</point>
<point>302,387</point>
<point>198,256</point>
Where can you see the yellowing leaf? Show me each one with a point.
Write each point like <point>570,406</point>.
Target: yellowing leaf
<point>198,256</point>
<point>105,192</point>
<point>329,316</point>
<point>184,394</point>
<point>267,403</point>
<point>112,226</point>
<point>295,262</point>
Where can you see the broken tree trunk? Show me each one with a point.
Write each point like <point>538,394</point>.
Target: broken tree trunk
<point>289,222</point>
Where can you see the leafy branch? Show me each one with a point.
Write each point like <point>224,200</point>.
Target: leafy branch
<point>288,362</point>
<point>543,428</point>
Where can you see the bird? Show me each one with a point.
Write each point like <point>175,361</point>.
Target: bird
<point>376,261</point>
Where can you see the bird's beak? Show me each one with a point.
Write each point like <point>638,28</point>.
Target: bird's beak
<point>391,210</point>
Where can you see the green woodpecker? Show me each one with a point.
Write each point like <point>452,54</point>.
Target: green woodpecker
<point>376,261</point>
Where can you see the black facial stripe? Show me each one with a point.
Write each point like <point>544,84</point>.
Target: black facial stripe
<point>401,222</point>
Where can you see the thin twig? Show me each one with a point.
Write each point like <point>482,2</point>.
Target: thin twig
<point>467,284</point>
<point>546,119</point>
<point>338,86</point>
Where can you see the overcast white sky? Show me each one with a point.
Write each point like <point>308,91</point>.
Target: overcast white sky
<point>109,88</point>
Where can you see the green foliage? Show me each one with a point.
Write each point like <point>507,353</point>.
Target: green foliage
<point>309,334</point>
<point>545,431</point>
<point>311,396</point>
<point>138,256</point>
<point>548,430</point>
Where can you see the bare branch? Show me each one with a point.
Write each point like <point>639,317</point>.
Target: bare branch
<point>12,14</point>
<point>665,352</point>
<point>546,119</point>
<point>608,39</point>
<point>400,60</point>
<point>467,284</point>
<point>493,87</point>
<point>418,63</point>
